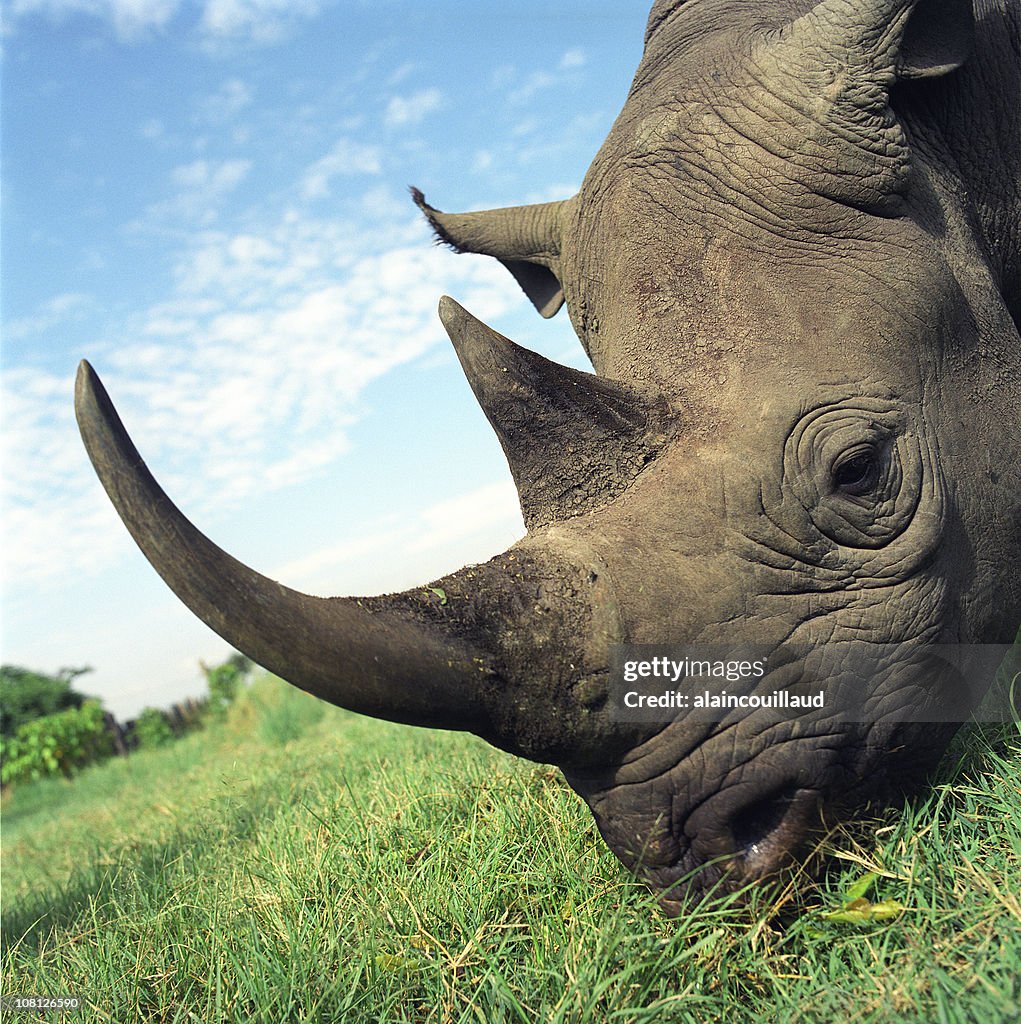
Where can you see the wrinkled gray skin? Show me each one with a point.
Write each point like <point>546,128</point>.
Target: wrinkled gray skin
<point>795,267</point>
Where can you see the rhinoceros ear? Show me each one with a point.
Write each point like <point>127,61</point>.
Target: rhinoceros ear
<point>573,440</point>
<point>836,65</point>
<point>938,38</point>
<point>871,38</point>
<point>525,239</point>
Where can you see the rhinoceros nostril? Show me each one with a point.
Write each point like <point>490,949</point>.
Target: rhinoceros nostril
<point>754,824</point>
<point>767,832</point>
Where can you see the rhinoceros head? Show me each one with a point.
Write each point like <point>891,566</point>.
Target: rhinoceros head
<point>802,431</point>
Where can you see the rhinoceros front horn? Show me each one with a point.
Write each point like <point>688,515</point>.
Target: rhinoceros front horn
<point>346,654</point>
<point>464,660</point>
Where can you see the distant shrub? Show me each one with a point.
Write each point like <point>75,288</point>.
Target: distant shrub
<point>152,729</point>
<point>57,744</point>
<point>26,695</point>
<point>225,681</point>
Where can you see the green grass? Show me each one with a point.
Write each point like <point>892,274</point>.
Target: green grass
<point>300,864</point>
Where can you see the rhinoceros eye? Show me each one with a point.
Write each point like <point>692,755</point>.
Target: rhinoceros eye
<point>857,472</point>
<point>856,467</point>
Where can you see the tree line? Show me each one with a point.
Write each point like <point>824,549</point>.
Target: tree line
<point>50,728</point>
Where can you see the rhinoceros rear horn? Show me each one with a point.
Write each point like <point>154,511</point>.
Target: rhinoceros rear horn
<point>525,239</point>
<point>573,440</point>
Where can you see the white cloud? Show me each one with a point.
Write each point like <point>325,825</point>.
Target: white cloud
<point>451,520</point>
<point>535,83</point>
<point>256,21</point>
<point>382,203</point>
<point>468,527</point>
<point>552,193</point>
<point>48,500</point>
<point>521,91</point>
<point>482,161</point>
<point>404,110</point>
<point>152,129</point>
<point>225,104</point>
<point>130,19</point>
<point>345,158</point>
<point>208,177</point>
<point>573,59</point>
<point>200,187</point>
<point>402,73</point>
<point>260,21</point>
<point>58,310</point>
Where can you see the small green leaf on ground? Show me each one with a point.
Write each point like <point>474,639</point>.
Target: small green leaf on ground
<point>863,911</point>
<point>859,888</point>
<point>856,909</point>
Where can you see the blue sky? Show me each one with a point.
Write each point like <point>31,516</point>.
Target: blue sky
<point>208,200</point>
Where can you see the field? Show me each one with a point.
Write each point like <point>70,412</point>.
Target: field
<point>296,863</point>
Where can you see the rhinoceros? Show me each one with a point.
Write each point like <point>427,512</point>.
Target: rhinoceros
<point>794,265</point>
